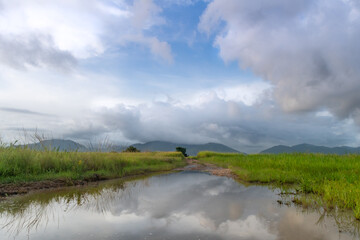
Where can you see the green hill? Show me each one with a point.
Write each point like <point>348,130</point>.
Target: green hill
<point>308,148</point>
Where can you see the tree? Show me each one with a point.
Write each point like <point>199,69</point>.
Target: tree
<point>131,149</point>
<point>182,150</point>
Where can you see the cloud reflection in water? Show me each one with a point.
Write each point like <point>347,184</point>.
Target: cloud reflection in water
<point>185,205</point>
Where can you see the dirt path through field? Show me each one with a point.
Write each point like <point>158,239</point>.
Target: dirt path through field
<point>195,165</point>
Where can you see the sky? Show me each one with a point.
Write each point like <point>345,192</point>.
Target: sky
<point>250,74</point>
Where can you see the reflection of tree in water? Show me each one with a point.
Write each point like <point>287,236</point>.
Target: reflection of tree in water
<point>29,212</point>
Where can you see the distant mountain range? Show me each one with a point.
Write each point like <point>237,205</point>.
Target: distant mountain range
<point>308,148</point>
<point>58,144</point>
<point>191,149</point>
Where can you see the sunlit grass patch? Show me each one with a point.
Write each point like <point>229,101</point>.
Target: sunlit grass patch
<point>22,164</point>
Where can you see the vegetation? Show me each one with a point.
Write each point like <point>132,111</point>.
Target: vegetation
<point>131,149</point>
<point>23,164</point>
<point>182,150</point>
<point>335,178</point>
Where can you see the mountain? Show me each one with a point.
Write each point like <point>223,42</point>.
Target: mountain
<point>308,148</point>
<point>191,149</point>
<point>58,144</point>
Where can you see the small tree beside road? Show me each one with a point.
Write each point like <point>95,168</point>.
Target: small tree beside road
<point>131,149</point>
<point>182,150</point>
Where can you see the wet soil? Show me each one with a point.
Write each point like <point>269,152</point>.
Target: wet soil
<point>195,165</point>
<point>10,189</point>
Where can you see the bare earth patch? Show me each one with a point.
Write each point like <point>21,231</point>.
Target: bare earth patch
<point>195,165</point>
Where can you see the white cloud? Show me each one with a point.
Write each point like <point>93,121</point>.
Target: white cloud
<point>307,49</point>
<point>324,114</point>
<point>249,228</point>
<point>34,51</point>
<point>73,27</point>
<point>247,128</point>
<point>145,14</point>
<point>42,33</point>
<point>248,93</point>
<point>245,119</point>
<point>60,99</point>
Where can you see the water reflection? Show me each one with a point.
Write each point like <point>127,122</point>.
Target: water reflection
<point>185,205</point>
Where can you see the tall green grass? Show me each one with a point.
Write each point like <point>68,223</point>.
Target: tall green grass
<point>336,178</point>
<point>21,164</point>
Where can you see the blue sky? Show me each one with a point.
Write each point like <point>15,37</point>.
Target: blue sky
<point>194,56</point>
<point>249,74</point>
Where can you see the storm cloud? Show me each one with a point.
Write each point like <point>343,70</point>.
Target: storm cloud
<point>308,49</point>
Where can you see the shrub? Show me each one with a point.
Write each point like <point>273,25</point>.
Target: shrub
<point>131,149</point>
<point>182,150</point>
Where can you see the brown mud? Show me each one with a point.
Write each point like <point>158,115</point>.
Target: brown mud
<point>9,189</point>
<point>195,165</point>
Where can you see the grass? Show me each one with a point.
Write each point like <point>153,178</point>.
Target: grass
<point>335,178</point>
<point>23,165</point>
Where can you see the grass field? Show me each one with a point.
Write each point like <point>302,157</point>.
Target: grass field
<point>22,165</point>
<point>335,178</point>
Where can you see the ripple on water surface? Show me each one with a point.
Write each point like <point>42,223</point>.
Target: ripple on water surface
<point>186,205</point>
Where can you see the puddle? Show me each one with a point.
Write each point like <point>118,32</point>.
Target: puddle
<point>183,205</point>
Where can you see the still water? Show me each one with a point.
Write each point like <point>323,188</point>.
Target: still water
<point>184,205</point>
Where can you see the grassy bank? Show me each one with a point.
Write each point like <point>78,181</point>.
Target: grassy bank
<point>335,178</point>
<point>22,165</point>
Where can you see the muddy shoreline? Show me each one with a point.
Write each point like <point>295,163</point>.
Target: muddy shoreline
<point>10,189</point>
<point>195,165</point>
<point>20,188</point>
